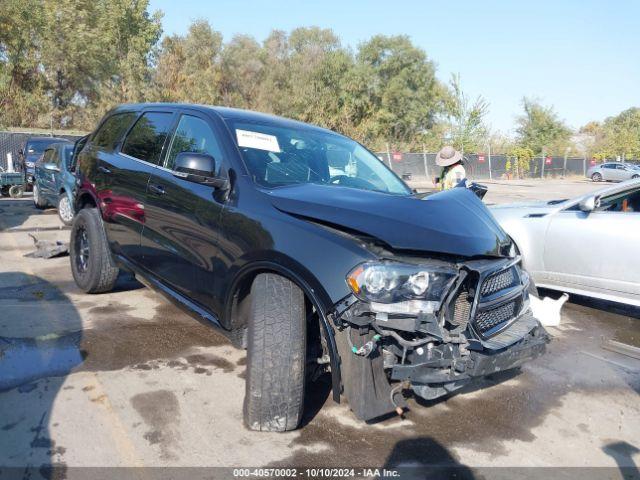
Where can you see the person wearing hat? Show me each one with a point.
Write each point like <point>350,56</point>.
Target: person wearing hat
<point>452,169</point>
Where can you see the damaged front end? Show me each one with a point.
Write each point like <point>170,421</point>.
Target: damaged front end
<point>431,327</point>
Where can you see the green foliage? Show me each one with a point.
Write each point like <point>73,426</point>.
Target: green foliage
<point>63,63</point>
<point>519,161</point>
<point>617,136</point>
<point>540,129</point>
<point>467,131</point>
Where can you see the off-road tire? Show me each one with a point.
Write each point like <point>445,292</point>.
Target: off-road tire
<point>37,199</point>
<point>596,177</point>
<point>61,199</point>
<point>276,350</point>
<point>101,273</point>
<point>16,191</point>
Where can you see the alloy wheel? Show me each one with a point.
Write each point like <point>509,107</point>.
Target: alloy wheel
<point>82,250</point>
<point>64,209</point>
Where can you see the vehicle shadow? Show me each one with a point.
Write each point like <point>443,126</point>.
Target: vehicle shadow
<point>40,333</point>
<point>423,457</point>
<point>15,213</point>
<point>473,386</point>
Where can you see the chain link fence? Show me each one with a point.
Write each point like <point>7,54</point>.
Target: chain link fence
<point>422,166</point>
<point>13,142</point>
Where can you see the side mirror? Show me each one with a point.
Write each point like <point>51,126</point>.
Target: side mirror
<point>479,190</point>
<point>198,168</point>
<point>52,167</point>
<point>589,204</point>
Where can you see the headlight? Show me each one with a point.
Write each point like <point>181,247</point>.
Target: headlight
<point>391,282</point>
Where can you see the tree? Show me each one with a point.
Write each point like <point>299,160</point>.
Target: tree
<point>618,136</point>
<point>540,129</point>
<point>467,131</point>
<point>392,92</point>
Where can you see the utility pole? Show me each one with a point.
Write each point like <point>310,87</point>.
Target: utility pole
<point>543,160</point>
<point>566,153</point>
<point>424,158</point>
<point>489,158</point>
<point>389,156</point>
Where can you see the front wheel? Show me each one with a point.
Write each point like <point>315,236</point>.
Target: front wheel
<point>635,177</point>
<point>16,191</point>
<point>596,177</point>
<point>275,355</point>
<point>92,265</point>
<point>65,209</point>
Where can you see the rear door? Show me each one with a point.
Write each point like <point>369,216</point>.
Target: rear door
<point>608,171</point>
<point>182,218</point>
<point>124,174</point>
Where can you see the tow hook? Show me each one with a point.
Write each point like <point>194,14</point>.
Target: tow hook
<point>394,391</point>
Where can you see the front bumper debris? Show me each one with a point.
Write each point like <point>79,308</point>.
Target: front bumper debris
<point>484,325</point>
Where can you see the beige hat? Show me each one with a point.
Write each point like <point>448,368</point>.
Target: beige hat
<point>448,156</point>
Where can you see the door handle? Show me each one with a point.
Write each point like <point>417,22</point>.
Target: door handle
<point>104,169</point>
<point>157,189</point>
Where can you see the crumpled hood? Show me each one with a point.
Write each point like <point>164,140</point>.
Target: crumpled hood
<point>453,222</point>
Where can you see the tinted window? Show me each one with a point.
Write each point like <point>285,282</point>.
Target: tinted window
<point>146,138</point>
<point>609,165</point>
<point>37,146</point>
<point>193,135</point>
<point>112,129</point>
<point>48,157</point>
<point>627,201</point>
<point>67,152</point>
<point>79,145</point>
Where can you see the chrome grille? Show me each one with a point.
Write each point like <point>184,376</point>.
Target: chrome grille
<point>490,319</point>
<point>499,281</point>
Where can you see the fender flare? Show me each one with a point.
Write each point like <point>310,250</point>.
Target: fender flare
<point>315,295</point>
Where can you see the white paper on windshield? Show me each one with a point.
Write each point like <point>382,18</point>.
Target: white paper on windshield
<point>261,141</point>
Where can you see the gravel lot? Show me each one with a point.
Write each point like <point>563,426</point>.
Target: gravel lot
<point>126,379</point>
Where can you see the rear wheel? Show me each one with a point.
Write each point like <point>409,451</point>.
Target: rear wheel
<point>275,355</point>
<point>4,191</point>
<point>16,191</point>
<point>596,177</point>
<point>635,177</point>
<point>92,265</point>
<point>37,198</point>
<point>65,209</point>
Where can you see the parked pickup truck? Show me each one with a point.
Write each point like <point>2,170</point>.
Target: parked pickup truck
<point>305,249</point>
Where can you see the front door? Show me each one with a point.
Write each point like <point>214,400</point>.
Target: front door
<point>596,250</point>
<point>46,176</point>
<point>124,176</point>
<point>181,230</point>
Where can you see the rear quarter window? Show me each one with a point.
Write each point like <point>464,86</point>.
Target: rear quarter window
<point>112,129</point>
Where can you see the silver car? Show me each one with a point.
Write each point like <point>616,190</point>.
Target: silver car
<point>588,245</point>
<point>613,171</point>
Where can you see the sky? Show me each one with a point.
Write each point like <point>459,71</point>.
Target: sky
<point>581,57</point>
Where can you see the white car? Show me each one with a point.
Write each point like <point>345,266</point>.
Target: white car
<point>587,245</point>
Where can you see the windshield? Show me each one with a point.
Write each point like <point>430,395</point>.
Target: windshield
<point>277,156</point>
<point>39,146</point>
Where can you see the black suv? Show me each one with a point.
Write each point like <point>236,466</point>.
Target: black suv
<point>304,248</point>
